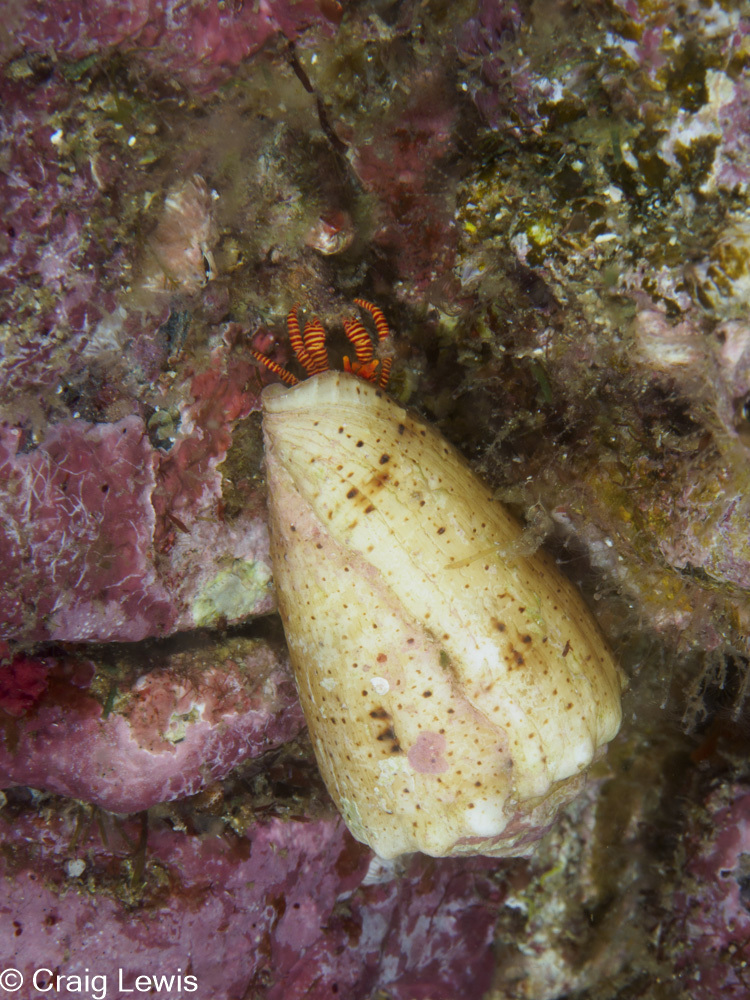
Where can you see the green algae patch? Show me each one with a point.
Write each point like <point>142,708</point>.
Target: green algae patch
<point>232,594</point>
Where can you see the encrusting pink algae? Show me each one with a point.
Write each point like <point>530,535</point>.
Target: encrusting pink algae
<point>548,199</point>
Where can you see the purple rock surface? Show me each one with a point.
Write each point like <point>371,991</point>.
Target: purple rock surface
<point>103,537</point>
<point>76,526</point>
<point>280,912</point>
<point>165,735</point>
<point>201,44</point>
<point>552,210</point>
<point>712,904</point>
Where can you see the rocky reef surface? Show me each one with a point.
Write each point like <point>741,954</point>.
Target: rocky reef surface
<point>550,200</point>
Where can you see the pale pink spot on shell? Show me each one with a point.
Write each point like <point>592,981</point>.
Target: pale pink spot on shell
<point>426,756</point>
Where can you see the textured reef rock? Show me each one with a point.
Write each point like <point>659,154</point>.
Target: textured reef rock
<point>626,272</point>
<point>712,932</point>
<point>114,525</point>
<point>23,679</point>
<point>487,45</point>
<point>551,203</point>
<point>91,541</point>
<point>158,736</point>
<point>76,519</point>
<point>200,44</point>
<point>285,909</point>
<point>403,170</point>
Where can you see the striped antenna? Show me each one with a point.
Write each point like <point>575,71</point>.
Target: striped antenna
<point>381,324</point>
<point>295,339</point>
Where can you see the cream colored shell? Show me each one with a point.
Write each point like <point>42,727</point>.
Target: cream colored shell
<point>454,692</point>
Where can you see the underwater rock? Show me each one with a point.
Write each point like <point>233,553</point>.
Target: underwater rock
<point>75,537</point>
<point>711,930</point>
<point>23,680</point>
<point>105,538</point>
<point>200,45</point>
<point>160,736</point>
<point>281,911</point>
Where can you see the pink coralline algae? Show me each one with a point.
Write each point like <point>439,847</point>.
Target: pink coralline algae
<point>487,45</point>
<point>199,43</point>
<point>217,567</point>
<point>415,214</point>
<point>427,754</point>
<point>733,357</point>
<point>22,682</point>
<point>187,476</point>
<point>280,913</point>
<point>710,531</point>
<point>52,276</point>
<point>167,735</point>
<point>712,903</point>
<point>106,534</point>
<point>104,537</point>
<point>76,525</point>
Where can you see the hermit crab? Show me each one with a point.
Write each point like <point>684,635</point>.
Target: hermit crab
<point>455,690</point>
<point>310,348</point>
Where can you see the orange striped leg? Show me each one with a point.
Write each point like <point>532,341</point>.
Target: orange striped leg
<point>276,368</point>
<point>315,345</point>
<point>385,372</point>
<point>359,338</point>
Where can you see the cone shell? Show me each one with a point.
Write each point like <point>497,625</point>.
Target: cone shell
<point>455,692</point>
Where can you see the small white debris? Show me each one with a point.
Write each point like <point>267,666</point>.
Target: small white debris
<point>380,871</point>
